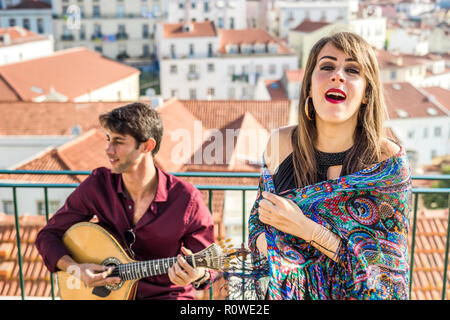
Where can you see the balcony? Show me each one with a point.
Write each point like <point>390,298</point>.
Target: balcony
<point>418,229</point>
<point>67,37</point>
<point>122,36</point>
<point>193,75</point>
<point>97,36</point>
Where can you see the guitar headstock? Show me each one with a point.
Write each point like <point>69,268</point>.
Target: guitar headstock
<point>219,255</point>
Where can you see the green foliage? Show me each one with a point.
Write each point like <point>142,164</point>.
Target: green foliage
<point>438,201</point>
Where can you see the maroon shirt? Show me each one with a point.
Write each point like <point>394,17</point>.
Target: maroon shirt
<point>177,216</point>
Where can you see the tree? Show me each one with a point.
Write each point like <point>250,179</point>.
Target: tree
<point>438,201</point>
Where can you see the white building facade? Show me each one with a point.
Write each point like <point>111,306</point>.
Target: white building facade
<point>12,49</point>
<point>286,15</point>
<point>226,14</point>
<point>118,29</point>
<point>38,20</point>
<point>206,67</point>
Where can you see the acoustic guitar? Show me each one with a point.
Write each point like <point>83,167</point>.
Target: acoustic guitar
<point>89,243</point>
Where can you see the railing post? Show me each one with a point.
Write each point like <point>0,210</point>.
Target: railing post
<point>444,287</point>
<point>52,285</point>
<point>413,243</point>
<point>19,249</point>
<point>211,288</point>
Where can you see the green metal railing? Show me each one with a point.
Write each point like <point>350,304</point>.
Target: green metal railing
<point>210,188</point>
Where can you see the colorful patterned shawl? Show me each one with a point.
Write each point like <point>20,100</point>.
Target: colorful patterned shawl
<point>369,210</point>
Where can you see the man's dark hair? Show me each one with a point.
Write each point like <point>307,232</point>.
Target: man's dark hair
<point>136,119</point>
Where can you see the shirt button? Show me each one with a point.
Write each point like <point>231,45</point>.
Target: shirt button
<point>130,207</point>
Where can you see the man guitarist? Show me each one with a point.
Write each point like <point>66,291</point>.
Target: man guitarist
<point>150,212</point>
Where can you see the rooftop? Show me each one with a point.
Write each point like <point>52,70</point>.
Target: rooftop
<point>308,26</point>
<point>403,100</point>
<point>189,30</point>
<point>68,72</point>
<point>17,35</point>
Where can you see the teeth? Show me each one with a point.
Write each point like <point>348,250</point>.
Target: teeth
<point>338,94</point>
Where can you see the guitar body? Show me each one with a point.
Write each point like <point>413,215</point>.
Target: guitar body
<point>90,243</point>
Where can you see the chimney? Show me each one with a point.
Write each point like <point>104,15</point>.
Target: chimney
<point>6,39</point>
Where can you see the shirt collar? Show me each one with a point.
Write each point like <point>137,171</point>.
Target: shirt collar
<point>162,192</point>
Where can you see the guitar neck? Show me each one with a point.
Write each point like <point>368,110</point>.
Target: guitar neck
<point>144,269</point>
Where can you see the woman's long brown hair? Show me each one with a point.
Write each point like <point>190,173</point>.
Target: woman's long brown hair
<point>369,129</point>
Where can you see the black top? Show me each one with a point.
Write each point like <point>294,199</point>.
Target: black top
<point>284,176</point>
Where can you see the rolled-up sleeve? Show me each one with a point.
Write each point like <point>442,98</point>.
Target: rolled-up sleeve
<point>199,231</point>
<point>49,240</point>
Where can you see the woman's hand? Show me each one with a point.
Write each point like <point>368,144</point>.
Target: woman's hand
<point>284,215</point>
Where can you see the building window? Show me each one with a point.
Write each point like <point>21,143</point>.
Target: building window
<point>96,11</point>
<point>174,93</point>
<point>193,4</point>
<point>99,49</point>
<point>26,24</point>
<point>206,5</point>
<point>191,49</point>
<point>181,4</point>
<point>210,67</point>
<point>220,23</point>
<point>145,31</point>
<point>231,70</point>
<point>120,11</point>
<point>172,51</point>
<point>173,69</point>
<point>425,132</point>
<point>53,206</point>
<point>211,92</point>
<point>145,50</point>
<point>12,22</point>
<point>192,94</point>
<point>210,50</point>
<point>8,206</point>
<point>437,131</point>
<point>393,75</point>
<point>144,11</point>
<point>192,68</point>
<point>259,69</point>
<point>232,93</point>
<point>97,31</point>
<point>272,69</point>
<point>411,134</point>
<point>82,32</point>
<point>40,25</point>
<point>231,23</point>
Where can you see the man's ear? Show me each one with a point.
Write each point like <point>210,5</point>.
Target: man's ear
<point>149,145</point>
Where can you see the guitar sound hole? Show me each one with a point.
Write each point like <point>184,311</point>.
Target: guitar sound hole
<point>113,262</point>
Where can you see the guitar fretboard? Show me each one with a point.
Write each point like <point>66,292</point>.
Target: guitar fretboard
<point>144,269</point>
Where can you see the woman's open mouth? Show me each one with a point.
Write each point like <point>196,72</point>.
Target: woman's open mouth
<point>335,96</point>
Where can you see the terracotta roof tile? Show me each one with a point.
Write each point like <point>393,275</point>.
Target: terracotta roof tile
<point>440,94</point>
<point>389,60</point>
<point>429,251</point>
<point>308,26</point>
<point>276,90</point>
<point>68,72</point>
<point>403,100</point>
<point>31,4</point>
<point>216,114</point>
<point>19,35</point>
<point>51,118</point>
<point>249,36</point>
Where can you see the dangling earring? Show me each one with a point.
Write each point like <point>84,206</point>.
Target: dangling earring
<point>307,109</point>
